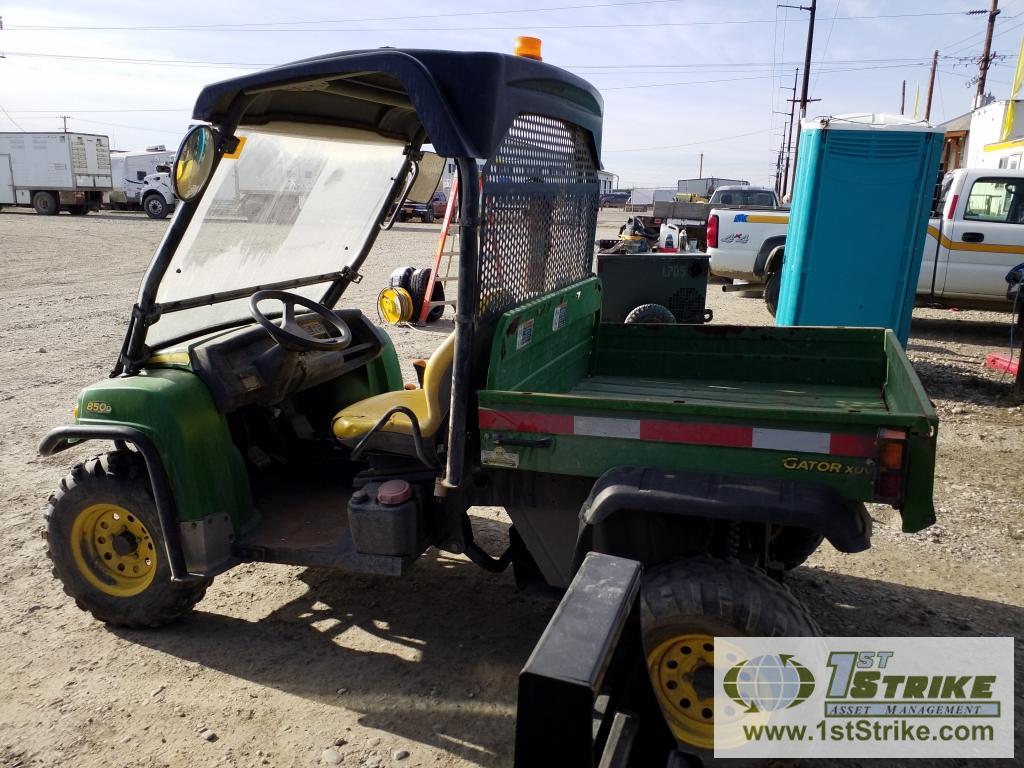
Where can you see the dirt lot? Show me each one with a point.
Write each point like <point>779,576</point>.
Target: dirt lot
<point>297,667</point>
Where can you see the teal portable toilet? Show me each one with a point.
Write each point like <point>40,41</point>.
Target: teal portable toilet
<point>858,221</point>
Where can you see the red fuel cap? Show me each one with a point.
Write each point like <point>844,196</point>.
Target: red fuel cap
<point>394,492</point>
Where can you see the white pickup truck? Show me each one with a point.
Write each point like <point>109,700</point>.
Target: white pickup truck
<point>978,239</point>
<point>969,249</point>
<point>741,240</point>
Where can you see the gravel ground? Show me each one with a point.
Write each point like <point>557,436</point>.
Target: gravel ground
<point>286,666</point>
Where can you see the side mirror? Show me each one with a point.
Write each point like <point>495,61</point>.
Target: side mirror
<point>193,164</point>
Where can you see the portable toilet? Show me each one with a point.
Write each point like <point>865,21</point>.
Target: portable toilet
<point>858,221</point>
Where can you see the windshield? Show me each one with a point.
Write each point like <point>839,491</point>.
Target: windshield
<point>743,197</point>
<point>292,202</point>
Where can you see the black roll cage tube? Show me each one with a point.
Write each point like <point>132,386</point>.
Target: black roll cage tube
<point>146,310</point>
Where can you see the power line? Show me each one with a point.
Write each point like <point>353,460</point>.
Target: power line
<point>659,24</point>
<point>11,119</point>
<point>252,26</point>
<point>692,143</point>
<point>52,112</point>
<point>756,77</point>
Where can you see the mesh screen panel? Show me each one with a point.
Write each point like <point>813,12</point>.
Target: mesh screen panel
<point>538,214</point>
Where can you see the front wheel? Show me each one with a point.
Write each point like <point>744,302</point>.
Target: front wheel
<point>771,291</point>
<point>155,207</point>
<point>45,203</point>
<point>103,538</point>
<point>685,605</point>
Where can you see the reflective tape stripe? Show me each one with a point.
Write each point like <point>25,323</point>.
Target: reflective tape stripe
<point>595,426</point>
<point>791,440</point>
<point>687,433</point>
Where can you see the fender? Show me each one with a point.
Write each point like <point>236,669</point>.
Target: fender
<point>770,250</point>
<point>845,524</point>
<point>62,438</point>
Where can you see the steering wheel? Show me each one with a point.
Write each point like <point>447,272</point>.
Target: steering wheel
<point>291,334</point>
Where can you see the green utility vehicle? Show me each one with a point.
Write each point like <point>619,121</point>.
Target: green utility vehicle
<point>256,417</point>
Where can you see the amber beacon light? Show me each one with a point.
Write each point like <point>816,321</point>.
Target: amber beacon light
<point>528,47</point>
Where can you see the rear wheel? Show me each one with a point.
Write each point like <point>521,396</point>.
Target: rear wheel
<point>155,207</point>
<point>651,313</point>
<point>103,538</point>
<point>771,291</point>
<point>78,210</point>
<point>45,203</point>
<point>684,605</point>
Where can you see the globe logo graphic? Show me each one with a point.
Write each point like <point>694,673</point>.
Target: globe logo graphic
<point>769,683</point>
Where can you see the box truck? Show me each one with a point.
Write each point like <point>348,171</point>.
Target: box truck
<point>128,174</point>
<point>54,171</point>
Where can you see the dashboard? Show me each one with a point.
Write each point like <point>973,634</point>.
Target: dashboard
<point>247,367</point>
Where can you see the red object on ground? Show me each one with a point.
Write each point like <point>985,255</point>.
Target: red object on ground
<point>1003,363</point>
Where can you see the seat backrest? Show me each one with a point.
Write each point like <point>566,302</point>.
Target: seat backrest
<point>437,383</point>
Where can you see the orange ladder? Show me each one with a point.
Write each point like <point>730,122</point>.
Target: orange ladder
<point>446,250</point>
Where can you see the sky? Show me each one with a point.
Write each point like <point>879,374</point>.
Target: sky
<point>679,77</point>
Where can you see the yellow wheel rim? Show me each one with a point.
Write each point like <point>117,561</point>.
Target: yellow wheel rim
<point>113,550</point>
<point>682,671</point>
<point>395,305</point>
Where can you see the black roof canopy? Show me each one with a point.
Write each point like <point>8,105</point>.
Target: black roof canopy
<point>463,101</point>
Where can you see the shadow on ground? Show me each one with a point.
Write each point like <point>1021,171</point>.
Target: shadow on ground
<point>471,633</point>
<point>950,382</point>
<point>438,656</point>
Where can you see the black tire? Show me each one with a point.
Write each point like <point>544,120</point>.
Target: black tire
<point>119,480</point>
<point>436,312</point>
<point>428,217</point>
<point>78,210</point>
<point>650,313</point>
<point>771,291</point>
<point>402,278</point>
<point>418,288</point>
<point>46,203</point>
<point>155,206</point>
<point>706,597</point>
<point>792,546</point>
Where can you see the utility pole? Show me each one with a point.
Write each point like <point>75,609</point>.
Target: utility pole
<point>903,97</point>
<point>931,87</point>
<point>986,58</point>
<point>813,9</point>
<point>65,118</point>
<point>789,138</point>
<point>700,168</point>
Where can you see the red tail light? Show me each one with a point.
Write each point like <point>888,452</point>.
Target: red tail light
<point>891,463</point>
<point>952,206</point>
<point>713,231</point>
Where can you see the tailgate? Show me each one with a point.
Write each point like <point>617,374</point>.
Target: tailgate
<point>869,448</point>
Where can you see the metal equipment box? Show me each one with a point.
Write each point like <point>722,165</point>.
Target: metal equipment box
<point>678,281</point>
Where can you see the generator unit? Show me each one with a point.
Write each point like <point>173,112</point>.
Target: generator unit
<point>675,281</point>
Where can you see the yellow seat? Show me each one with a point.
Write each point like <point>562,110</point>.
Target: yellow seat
<point>430,403</point>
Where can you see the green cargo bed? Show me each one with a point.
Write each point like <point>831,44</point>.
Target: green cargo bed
<point>568,395</point>
<point>756,394</point>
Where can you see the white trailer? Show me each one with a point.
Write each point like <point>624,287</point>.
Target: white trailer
<point>54,171</point>
<point>128,172</point>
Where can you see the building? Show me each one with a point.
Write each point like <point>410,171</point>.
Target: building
<point>609,181</point>
<point>976,139</point>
